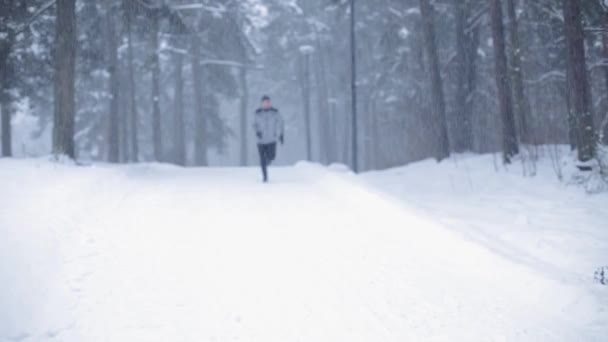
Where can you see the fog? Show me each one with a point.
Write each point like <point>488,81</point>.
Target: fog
<point>179,81</point>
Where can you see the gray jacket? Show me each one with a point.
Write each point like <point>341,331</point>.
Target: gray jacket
<point>269,125</point>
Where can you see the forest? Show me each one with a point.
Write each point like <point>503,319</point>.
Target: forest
<point>371,84</point>
<point>431,170</point>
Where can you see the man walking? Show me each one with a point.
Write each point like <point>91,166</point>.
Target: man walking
<point>269,128</point>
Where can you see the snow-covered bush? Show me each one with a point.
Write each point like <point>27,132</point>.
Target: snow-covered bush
<point>31,138</point>
<point>592,175</point>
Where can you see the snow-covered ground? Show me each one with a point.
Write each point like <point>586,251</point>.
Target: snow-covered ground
<point>450,252</point>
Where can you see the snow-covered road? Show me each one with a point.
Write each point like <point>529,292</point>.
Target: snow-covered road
<point>157,253</point>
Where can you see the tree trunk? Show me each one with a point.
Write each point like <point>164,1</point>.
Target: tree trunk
<point>368,131</point>
<point>326,154</point>
<point>200,140</point>
<point>463,132</point>
<point>133,120</point>
<point>503,84</point>
<point>114,87</point>
<point>442,150</point>
<point>375,134</point>
<point>244,109</point>
<point>179,154</point>
<point>579,93</point>
<point>305,82</point>
<point>354,131</point>
<point>521,104</point>
<point>156,119</point>
<point>124,122</point>
<point>467,43</point>
<point>6,125</point>
<point>5,102</point>
<point>604,126</point>
<point>6,45</point>
<point>65,61</point>
<point>471,81</point>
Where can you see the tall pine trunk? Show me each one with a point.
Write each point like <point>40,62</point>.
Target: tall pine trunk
<point>326,154</point>
<point>579,92</point>
<point>463,129</point>
<point>133,119</point>
<point>5,104</point>
<point>375,135</point>
<point>440,127</point>
<point>305,87</point>
<point>521,104</point>
<point>156,118</point>
<point>503,83</point>
<point>113,135</point>
<point>65,61</point>
<point>5,113</point>
<point>200,119</point>
<point>179,138</point>
<point>243,124</point>
<point>6,45</point>
<point>604,124</point>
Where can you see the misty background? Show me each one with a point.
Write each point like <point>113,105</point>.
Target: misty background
<point>178,81</point>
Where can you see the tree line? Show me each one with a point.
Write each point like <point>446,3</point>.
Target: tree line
<point>147,80</point>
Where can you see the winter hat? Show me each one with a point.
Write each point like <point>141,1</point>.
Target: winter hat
<point>265,98</point>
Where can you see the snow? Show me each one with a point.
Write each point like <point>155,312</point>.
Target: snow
<point>545,224</point>
<point>29,139</point>
<point>450,252</point>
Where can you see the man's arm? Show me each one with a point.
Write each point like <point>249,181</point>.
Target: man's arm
<point>257,126</point>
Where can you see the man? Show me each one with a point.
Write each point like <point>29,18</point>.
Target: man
<point>269,128</point>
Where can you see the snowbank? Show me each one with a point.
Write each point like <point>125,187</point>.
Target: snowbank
<point>161,253</point>
<point>540,222</point>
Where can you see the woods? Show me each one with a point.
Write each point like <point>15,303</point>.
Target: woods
<point>177,81</point>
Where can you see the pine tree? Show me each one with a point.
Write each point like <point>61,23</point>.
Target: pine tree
<point>439,115</point>
<point>579,94</point>
<point>503,83</point>
<point>65,62</point>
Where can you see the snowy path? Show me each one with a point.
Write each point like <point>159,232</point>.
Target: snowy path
<point>155,253</point>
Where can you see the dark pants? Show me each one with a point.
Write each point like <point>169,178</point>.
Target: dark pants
<point>267,154</point>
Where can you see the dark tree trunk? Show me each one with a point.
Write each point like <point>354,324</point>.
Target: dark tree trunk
<point>604,124</point>
<point>467,44</point>
<point>65,61</point>
<point>503,83</point>
<point>133,120</point>
<point>124,123</point>
<point>6,125</point>
<point>521,103</point>
<point>572,128</point>
<point>6,44</point>
<point>368,131</point>
<point>5,102</point>
<point>326,154</point>
<point>579,94</point>
<point>200,134</point>
<point>244,109</point>
<point>305,85</point>
<point>156,119</point>
<point>463,133</point>
<point>375,135</point>
<point>472,47</point>
<point>353,84</point>
<point>179,154</point>
<point>442,150</point>
<point>113,135</point>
